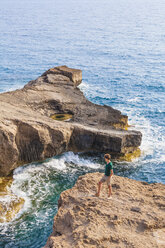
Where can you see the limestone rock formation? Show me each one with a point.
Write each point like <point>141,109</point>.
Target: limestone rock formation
<point>30,131</point>
<point>133,217</point>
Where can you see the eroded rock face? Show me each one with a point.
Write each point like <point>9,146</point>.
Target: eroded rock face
<point>133,217</point>
<point>28,133</point>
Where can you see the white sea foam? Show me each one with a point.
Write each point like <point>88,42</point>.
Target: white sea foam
<point>135,99</point>
<point>32,183</point>
<point>153,141</point>
<point>83,86</point>
<point>79,161</point>
<point>12,88</point>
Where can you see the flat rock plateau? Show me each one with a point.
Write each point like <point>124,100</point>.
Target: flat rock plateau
<point>133,217</point>
<point>50,115</point>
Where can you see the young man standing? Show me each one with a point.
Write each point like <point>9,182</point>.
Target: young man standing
<point>107,175</point>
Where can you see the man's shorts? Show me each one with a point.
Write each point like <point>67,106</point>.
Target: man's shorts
<point>106,179</point>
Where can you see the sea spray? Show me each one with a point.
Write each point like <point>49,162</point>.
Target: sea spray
<point>40,185</point>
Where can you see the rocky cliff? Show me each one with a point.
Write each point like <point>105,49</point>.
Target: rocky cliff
<point>50,115</point>
<point>134,217</point>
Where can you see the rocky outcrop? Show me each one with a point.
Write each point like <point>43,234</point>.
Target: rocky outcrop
<point>29,130</point>
<point>133,217</point>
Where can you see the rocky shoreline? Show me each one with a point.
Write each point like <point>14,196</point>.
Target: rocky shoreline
<point>31,130</point>
<point>133,217</point>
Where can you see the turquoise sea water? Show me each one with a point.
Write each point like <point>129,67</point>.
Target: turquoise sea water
<point>120,46</point>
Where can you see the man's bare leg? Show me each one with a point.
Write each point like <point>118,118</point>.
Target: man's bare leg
<point>99,188</point>
<point>110,190</point>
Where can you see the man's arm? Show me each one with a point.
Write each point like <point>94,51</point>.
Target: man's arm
<point>111,172</point>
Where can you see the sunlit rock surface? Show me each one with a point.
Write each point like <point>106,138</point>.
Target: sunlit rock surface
<point>133,217</point>
<point>29,133</point>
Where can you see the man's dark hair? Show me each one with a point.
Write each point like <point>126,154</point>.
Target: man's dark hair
<point>107,156</point>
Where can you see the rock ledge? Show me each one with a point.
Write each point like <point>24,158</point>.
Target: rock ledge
<point>133,217</point>
<point>28,132</point>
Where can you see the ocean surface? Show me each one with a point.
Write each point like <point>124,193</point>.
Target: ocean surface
<point>120,47</point>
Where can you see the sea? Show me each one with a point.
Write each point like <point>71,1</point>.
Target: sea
<point>120,47</point>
